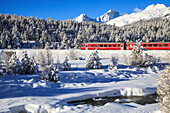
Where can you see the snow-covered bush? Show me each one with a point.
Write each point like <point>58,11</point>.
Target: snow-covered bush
<point>14,66</point>
<point>113,63</point>
<point>50,73</point>
<point>5,57</point>
<point>93,61</point>
<point>139,58</point>
<point>29,65</point>
<point>163,90</point>
<point>65,65</point>
<point>44,59</point>
<point>72,55</point>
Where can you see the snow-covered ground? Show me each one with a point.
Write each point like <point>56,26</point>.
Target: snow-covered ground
<point>29,93</point>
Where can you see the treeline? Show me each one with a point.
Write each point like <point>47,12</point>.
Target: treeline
<point>154,30</point>
<point>70,34</point>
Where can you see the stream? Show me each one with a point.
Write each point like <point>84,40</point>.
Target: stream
<point>149,99</point>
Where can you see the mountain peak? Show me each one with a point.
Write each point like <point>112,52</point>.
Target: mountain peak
<point>83,17</point>
<point>108,16</point>
<point>157,6</point>
<point>111,10</point>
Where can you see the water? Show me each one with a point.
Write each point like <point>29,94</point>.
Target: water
<point>122,99</point>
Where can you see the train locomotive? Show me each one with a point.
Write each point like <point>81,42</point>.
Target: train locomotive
<point>125,46</point>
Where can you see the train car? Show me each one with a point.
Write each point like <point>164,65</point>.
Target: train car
<point>125,46</point>
<point>103,46</point>
<point>150,45</point>
<point>156,45</point>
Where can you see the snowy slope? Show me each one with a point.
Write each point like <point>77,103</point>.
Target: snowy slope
<point>108,16</point>
<point>83,17</point>
<point>152,11</point>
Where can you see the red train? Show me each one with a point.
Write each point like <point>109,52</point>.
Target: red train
<point>125,46</point>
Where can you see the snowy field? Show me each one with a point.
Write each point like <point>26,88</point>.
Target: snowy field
<point>27,93</point>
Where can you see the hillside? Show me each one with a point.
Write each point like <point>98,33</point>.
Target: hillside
<point>70,34</point>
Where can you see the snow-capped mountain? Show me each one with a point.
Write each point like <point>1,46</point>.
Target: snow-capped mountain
<point>83,17</point>
<point>111,14</point>
<point>150,12</point>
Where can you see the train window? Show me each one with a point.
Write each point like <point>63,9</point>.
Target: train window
<point>145,45</point>
<point>101,45</point>
<point>165,45</point>
<point>150,45</point>
<point>155,45</point>
<point>114,45</point>
<point>105,45</point>
<point>92,45</point>
<point>118,45</point>
<point>160,45</point>
<point>110,45</point>
<point>96,45</point>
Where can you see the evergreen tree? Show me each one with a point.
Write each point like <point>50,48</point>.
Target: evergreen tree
<point>93,61</point>
<point>2,68</point>
<point>29,66</point>
<point>50,73</point>
<point>14,66</point>
<point>65,65</point>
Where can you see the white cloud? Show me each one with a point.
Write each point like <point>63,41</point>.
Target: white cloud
<point>137,10</point>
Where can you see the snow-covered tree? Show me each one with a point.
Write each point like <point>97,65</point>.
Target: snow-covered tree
<point>29,66</point>
<point>50,73</point>
<point>34,68</point>
<point>16,43</point>
<point>66,65</point>
<point>2,68</point>
<point>44,59</point>
<point>14,66</point>
<point>73,55</point>
<point>139,58</point>
<point>113,63</point>
<point>93,61</point>
<point>163,89</point>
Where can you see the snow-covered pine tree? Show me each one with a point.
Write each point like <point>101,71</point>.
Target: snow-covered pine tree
<point>65,65</point>
<point>50,73</point>
<point>33,66</point>
<point>2,68</point>
<point>29,66</point>
<point>14,66</point>
<point>93,61</point>
<point>17,42</point>
<point>113,63</point>
<point>163,89</point>
<point>47,45</point>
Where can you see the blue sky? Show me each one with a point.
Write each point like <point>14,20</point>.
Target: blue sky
<point>69,9</point>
